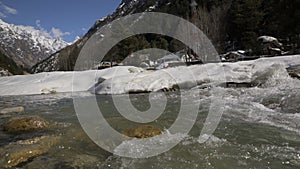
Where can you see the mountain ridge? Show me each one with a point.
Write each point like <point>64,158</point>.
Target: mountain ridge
<point>65,59</point>
<point>26,45</point>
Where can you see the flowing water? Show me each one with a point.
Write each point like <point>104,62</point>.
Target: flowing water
<point>259,128</point>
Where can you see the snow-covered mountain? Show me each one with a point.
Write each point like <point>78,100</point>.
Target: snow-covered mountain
<point>26,45</point>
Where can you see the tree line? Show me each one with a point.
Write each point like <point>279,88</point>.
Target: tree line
<point>230,24</point>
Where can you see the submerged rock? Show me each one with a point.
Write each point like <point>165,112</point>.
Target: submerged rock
<point>290,104</point>
<point>19,152</point>
<point>70,160</point>
<point>144,131</point>
<point>25,124</point>
<point>84,161</point>
<point>237,85</point>
<point>12,110</point>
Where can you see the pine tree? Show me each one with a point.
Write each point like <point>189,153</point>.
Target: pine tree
<point>246,18</point>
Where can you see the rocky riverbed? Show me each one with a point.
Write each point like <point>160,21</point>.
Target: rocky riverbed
<point>30,141</point>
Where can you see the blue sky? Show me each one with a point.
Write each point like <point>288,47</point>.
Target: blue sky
<point>64,18</point>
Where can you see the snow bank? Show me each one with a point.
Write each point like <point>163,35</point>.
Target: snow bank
<point>53,82</point>
<point>212,74</point>
<point>119,80</point>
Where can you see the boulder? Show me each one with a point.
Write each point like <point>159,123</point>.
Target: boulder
<point>135,70</point>
<point>21,151</point>
<point>294,71</point>
<point>12,110</point>
<point>144,131</point>
<point>25,124</point>
<point>48,91</point>
<point>295,74</point>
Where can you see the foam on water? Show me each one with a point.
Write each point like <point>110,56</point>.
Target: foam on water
<point>138,148</point>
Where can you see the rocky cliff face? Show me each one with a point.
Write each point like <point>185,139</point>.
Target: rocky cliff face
<point>8,66</point>
<point>25,45</point>
<point>210,19</point>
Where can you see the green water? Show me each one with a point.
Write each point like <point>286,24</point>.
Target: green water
<point>253,132</point>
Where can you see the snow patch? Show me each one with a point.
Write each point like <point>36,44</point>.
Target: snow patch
<point>121,6</point>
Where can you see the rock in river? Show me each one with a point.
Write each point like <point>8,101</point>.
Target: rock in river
<point>295,74</point>
<point>21,151</point>
<point>25,124</point>
<point>294,71</point>
<point>144,131</point>
<point>69,160</point>
<point>12,110</point>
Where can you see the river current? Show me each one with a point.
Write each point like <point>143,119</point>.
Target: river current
<point>259,128</point>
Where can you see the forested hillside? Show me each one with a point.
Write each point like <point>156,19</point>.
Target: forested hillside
<point>249,19</point>
<point>229,24</point>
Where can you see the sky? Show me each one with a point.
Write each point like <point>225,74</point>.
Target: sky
<point>61,18</point>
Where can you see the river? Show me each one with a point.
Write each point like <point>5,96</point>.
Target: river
<point>259,128</point>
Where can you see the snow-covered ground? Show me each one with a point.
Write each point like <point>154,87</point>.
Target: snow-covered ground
<point>119,80</point>
<point>57,82</point>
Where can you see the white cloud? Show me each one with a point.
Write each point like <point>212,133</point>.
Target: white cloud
<point>10,10</point>
<point>6,10</point>
<point>41,29</point>
<point>54,32</point>
<point>2,15</point>
<point>57,33</point>
<point>38,24</point>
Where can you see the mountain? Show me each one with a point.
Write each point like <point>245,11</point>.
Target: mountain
<point>229,24</point>
<point>8,66</point>
<point>66,58</point>
<point>25,45</point>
